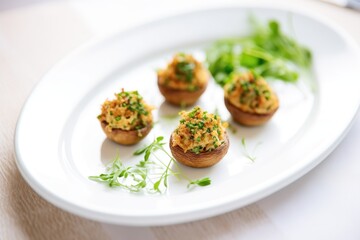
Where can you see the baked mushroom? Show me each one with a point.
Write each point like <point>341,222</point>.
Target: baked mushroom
<point>200,140</point>
<point>249,99</point>
<point>183,81</point>
<point>127,119</point>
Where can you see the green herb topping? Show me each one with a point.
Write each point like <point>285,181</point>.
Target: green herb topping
<point>199,131</point>
<point>127,111</point>
<point>184,72</point>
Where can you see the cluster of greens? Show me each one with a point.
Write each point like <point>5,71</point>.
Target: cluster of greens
<point>146,175</point>
<point>267,52</point>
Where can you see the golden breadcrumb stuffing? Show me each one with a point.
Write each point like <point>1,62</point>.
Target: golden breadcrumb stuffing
<point>127,111</point>
<point>184,72</point>
<point>251,94</point>
<point>199,131</point>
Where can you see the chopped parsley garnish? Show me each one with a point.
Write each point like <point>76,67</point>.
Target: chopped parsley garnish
<point>199,131</point>
<point>196,149</point>
<point>193,112</point>
<point>127,111</point>
<point>186,69</point>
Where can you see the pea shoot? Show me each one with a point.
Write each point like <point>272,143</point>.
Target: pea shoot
<point>267,52</point>
<point>142,176</point>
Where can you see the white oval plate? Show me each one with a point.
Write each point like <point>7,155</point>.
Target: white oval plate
<point>59,142</point>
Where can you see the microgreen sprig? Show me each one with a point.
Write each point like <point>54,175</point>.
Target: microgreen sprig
<point>158,144</point>
<point>141,176</point>
<point>200,182</point>
<point>130,178</point>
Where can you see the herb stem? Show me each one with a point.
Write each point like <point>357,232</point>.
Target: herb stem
<point>174,173</point>
<point>136,178</point>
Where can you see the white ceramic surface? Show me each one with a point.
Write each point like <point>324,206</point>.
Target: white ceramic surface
<point>59,142</point>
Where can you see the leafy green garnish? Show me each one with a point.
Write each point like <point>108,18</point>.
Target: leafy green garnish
<point>142,176</point>
<point>132,178</point>
<point>274,41</point>
<point>267,52</point>
<point>201,182</point>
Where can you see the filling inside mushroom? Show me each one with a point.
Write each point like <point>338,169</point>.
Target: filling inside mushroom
<point>251,94</point>
<point>184,72</point>
<point>127,111</point>
<point>199,131</point>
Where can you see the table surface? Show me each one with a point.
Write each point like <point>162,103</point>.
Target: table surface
<point>324,204</point>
